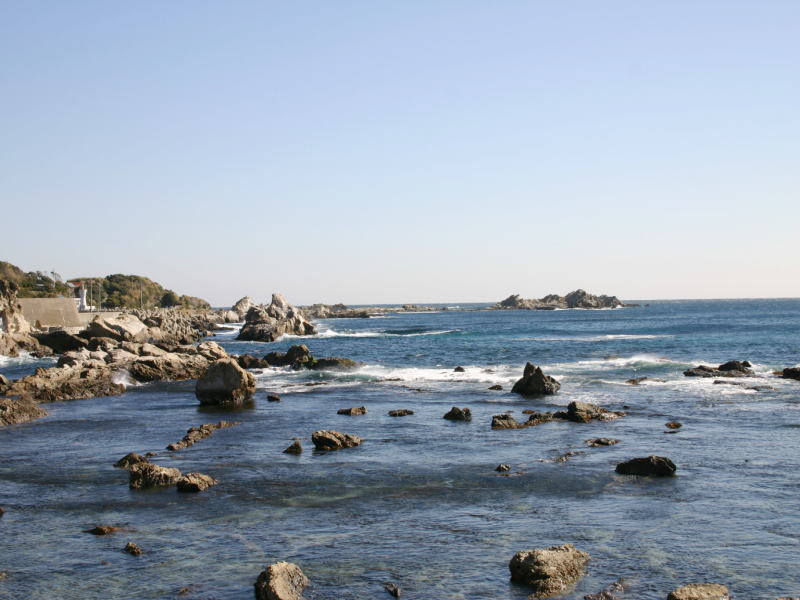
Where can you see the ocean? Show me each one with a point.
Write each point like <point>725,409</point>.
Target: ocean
<point>419,503</point>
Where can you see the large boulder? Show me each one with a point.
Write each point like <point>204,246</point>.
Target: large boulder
<point>535,383</point>
<point>326,439</point>
<point>650,466</point>
<point>700,591</point>
<point>549,571</point>
<point>225,382</point>
<point>60,341</point>
<point>269,323</point>
<point>147,475</point>
<point>791,373</point>
<point>123,328</point>
<point>281,581</point>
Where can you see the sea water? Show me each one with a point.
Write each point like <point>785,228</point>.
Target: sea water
<point>419,503</point>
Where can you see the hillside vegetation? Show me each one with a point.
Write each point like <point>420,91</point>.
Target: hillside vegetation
<point>112,291</point>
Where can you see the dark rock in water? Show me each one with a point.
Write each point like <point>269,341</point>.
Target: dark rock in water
<point>393,589</point>
<point>247,361</point>
<point>195,482</point>
<point>610,592</point>
<point>576,299</point>
<point>145,475</point>
<point>700,591</point>
<point>334,364</point>
<point>273,398</point>
<point>496,388</point>
<point>299,356</point>
<point>281,581</point>
<point>502,468</point>
<point>2,511</point>
<point>535,383</point>
<point>225,382</point>
<point>602,441</point>
<point>505,421</point>
<point>651,466</point>
<point>195,434</point>
<point>733,368</point>
<point>791,373</point>
<point>673,425</point>
<point>60,341</point>
<point>133,549</point>
<point>536,418</point>
<point>268,323</point>
<point>326,439</point>
<point>403,412</point>
<point>353,411</point>
<point>583,412</point>
<point>130,459</point>
<point>549,571</point>
<point>459,369</point>
<point>458,414</point>
<point>638,380</point>
<point>295,448</point>
<point>101,530</point>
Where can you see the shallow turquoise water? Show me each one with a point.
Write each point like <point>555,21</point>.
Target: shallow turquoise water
<point>419,502</point>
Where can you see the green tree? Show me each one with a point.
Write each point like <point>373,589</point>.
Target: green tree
<point>170,299</point>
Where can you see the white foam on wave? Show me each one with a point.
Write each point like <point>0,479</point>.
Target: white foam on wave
<point>471,374</point>
<point>616,362</point>
<point>23,359</point>
<point>333,333</point>
<point>592,338</point>
<point>124,378</point>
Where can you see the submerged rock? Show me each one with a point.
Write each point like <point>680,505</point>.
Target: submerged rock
<point>651,466</point>
<point>281,581</point>
<point>273,398</point>
<point>326,439</point>
<point>133,549</point>
<point>458,414</point>
<point>225,382</point>
<point>503,467</point>
<point>101,530</point>
<point>505,421</point>
<point>195,434</point>
<point>601,441</point>
<point>352,411</point>
<point>392,589</point>
<point>700,591</point>
<point>584,412</point>
<point>535,383</point>
<point>19,410</point>
<point>295,448</point>
<point>496,388</point>
<point>145,475</point>
<point>549,571</point>
<point>673,425</point>
<point>130,459</point>
<point>402,412</point>
<point>459,369</point>
<point>610,592</point>
<point>195,482</point>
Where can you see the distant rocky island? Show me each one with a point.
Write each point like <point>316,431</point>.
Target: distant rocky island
<point>576,299</point>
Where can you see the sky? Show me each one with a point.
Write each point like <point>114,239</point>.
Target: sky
<point>382,151</point>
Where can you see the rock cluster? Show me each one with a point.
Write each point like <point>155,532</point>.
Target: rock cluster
<point>334,311</point>
<point>549,571</point>
<point>535,383</point>
<point>269,323</point>
<point>299,357</point>
<point>732,368</point>
<point>577,412</point>
<point>576,299</point>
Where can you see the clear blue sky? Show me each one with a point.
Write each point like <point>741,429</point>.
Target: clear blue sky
<point>387,151</point>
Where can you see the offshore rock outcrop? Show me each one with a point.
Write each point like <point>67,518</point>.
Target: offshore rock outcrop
<point>326,439</point>
<point>576,299</point>
<point>299,357</point>
<point>535,383</point>
<point>269,323</point>
<point>195,434</point>
<point>334,311</point>
<point>242,306</point>
<point>281,581</point>
<point>700,591</point>
<point>650,466</point>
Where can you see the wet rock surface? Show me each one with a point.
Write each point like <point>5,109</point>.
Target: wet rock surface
<point>225,382</point>
<point>651,466</point>
<point>148,475</point>
<point>195,434</point>
<point>601,442</point>
<point>195,482</point>
<point>130,459</point>
<point>733,368</point>
<point>548,571</point>
<point>402,412</point>
<point>352,411</point>
<point>458,414</point>
<point>133,549</point>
